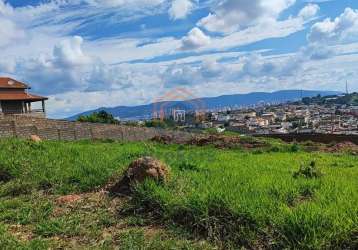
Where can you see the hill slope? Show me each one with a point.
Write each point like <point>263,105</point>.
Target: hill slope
<point>348,99</point>
<point>145,111</point>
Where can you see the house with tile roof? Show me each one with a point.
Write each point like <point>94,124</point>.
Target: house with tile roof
<point>15,99</point>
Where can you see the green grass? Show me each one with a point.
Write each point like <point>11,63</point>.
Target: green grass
<point>231,198</point>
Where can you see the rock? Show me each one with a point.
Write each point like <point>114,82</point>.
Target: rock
<point>140,170</point>
<point>35,138</point>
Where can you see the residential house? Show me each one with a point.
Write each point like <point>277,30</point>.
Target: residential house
<point>15,99</point>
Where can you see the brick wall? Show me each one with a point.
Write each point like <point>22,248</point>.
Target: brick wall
<point>48,129</point>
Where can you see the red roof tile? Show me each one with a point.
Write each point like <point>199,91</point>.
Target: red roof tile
<point>20,97</point>
<point>6,82</point>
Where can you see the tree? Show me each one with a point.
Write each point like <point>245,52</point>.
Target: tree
<point>157,123</point>
<point>98,117</point>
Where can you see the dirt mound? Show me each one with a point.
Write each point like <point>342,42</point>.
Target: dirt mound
<point>216,140</point>
<point>138,171</point>
<point>164,139</point>
<point>343,147</point>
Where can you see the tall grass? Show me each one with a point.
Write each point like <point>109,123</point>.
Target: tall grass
<point>231,197</point>
<point>255,200</point>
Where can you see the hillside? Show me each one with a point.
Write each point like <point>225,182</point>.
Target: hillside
<point>271,196</point>
<point>350,99</point>
<point>145,111</point>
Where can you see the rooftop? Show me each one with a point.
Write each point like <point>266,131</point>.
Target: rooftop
<point>21,97</point>
<point>9,83</point>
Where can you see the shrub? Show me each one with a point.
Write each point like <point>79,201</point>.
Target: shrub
<point>98,117</point>
<point>295,147</point>
<point>310,171</point>
<point>274,149</point>
<point>156,123</point>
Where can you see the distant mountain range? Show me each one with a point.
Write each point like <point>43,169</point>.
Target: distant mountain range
<point>207,103</point>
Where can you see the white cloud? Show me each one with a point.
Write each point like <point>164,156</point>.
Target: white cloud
<point>69,53</point>
<point>70,103</point>
<point>181,75</point>
<point>195,39</point>
<point>138,4</point>
<point>342,29</point>
<point>232,15</point>
<point>180,9</point>
<point>309,11</point>
<point>116,50</point>
<point>273,29</point>
<point>317,52</point>
<point>7,65</point>
<point>5,9</point>
<point>61,71</point>
<point>9,31</point>
<point>210,68</point>
<point>121,77</point>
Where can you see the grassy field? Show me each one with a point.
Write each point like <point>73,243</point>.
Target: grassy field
<point>280,197</point>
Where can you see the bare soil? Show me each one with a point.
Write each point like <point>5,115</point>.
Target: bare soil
<point>218,141</point>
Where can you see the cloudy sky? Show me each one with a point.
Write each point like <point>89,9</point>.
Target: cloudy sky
<point>86,54</point>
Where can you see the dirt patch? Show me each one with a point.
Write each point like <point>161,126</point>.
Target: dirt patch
<point>218,141</point>
<point>164,139</point>
<point>21,232</point>
<point>343,147</point>
<point>68,199</point>
<point>138,171</point>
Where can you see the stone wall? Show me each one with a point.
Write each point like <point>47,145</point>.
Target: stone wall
<point>49,129</point>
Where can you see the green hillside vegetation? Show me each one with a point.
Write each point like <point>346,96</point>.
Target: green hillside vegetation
<point>350,99</point>
<point>98,117</point>
<point>279,197</point>
<point>157,123</point>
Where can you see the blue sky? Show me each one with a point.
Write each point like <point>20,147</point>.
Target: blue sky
<point>85,54</point>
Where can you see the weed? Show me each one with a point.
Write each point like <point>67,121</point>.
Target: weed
<point>186,166</point>
<point>16,188</point>
<point>136,221</point>
<point>308,171</point>
<point>295,148</point>
<point>274,149</point>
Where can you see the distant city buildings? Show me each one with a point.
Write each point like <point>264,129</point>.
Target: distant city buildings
<point>276,119</point>
<point>323,115</point>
